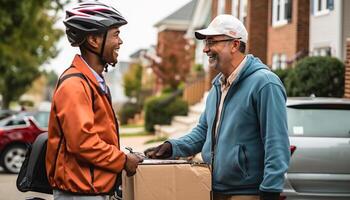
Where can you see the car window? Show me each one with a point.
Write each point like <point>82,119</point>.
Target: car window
<point>318,122</point>
<point>16,122</point>
<point>42,118</point>
<point>12,121</point>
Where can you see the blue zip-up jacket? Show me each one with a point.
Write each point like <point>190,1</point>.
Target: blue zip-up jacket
<point>252,149</point>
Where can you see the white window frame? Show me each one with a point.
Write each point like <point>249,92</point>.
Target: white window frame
<point>279,61</point>
<point>243,10</point>
<point>283,61</point>
<point>221,7</point>
<point>278,19</point>
<point>275,60</point>
<point>322,51</point>
<point>324,10</point>
<point>234,9</point>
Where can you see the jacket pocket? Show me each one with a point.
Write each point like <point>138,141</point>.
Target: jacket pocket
<point>231,167</point>
<point>244,161</point>
<point>240,161</point>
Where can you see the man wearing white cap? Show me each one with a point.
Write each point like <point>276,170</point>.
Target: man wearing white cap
<point>242,132</point>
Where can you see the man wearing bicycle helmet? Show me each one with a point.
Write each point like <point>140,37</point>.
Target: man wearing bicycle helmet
<point>83,152</point>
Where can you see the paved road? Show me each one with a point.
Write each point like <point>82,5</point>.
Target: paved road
<point>8,190</point>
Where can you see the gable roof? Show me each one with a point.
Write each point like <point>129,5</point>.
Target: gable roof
<point>180,19</point>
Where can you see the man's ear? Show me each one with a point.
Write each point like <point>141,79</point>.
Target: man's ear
<point>94,41</point>
<point>235,46</point>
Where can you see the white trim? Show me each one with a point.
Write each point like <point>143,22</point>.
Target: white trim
<point>234,9</point>
<point>275,58</point>
<point>324,10</point>
<point>173,27</point>
<point>280,23</point>
<point>283,61</point>
<point>203,8</point>
<point>282,20</point>
<point>321,13</point>
<point>221,7</point>
<point>243,9</point>
<point>279,61</point>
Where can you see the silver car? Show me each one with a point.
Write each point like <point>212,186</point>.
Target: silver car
<point>319,132</point>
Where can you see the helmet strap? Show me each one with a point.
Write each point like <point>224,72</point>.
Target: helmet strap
<point>100,55</point>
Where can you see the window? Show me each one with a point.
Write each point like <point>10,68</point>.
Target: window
<point>283,61</point>
<point>322,7</point>
<point>42,118</point>
<point>239,9</point>
<point>281,12</point>
<point>279,61</point>
<point>275,59</point>
<point>322,51</point>
<point>243,10</point>
<point>318,122</point>
<point>221,7</point>
<point>235,8</point>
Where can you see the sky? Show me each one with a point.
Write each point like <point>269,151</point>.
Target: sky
<point>138,33</point>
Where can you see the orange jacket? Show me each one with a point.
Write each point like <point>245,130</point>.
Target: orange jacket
<point>89,157</point>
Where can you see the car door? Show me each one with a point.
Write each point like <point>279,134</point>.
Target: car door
<point>321,162</point>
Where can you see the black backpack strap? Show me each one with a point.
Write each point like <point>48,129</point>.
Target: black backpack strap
<point>80,75</point>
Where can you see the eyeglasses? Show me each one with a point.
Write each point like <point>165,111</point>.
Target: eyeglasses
<point>212,42</point>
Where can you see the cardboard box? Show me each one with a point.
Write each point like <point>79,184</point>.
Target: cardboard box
<point>168,180</point>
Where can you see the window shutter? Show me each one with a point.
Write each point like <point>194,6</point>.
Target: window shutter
<point>330,4</point>
<point>288,10</point>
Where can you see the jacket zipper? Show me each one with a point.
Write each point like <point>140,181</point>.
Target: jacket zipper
<point>213,130</point>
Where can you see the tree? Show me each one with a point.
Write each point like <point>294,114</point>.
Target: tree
<point>132,81</point>
<point>321,76</point>
<point>27,40</point>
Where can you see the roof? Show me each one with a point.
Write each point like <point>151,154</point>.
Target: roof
<point>137,53</point>
<point>182,16</point>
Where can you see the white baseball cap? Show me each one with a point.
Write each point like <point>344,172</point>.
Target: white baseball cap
<point>224,25</point>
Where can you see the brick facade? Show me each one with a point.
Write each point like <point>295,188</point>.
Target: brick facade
<point>347,70</point>
<point>176,53</point>
<point>291,38</point>
<point>256,24</point>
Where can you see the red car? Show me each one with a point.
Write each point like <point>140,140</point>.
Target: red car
<point>16,132</point>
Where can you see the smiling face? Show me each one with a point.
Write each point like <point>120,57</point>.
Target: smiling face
<point>218,49</point>
<point>112,45</point>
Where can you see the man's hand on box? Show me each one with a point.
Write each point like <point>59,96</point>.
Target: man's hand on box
<point>162,151</point>
<point>131,163</point>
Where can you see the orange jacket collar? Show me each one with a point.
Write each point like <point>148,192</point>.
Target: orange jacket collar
<point>80,65</point>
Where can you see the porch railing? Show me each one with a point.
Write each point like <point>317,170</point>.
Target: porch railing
<point>194,90</point>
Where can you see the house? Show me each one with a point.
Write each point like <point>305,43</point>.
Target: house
<point>329,27</point>
<point>173,49</point>
<point>280,31</point>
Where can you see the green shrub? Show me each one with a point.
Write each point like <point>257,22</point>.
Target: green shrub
<point>283,74</point>
<point>321,76</point>
<point>160,110</point>
<point>128,111</point>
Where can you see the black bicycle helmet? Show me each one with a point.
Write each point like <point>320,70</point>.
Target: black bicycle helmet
<point>90,17</point>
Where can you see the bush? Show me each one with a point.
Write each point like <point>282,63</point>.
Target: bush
<point>321,76</point>
<point>283,74</point>
<point>160,110</point>
<point>128,111</point>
